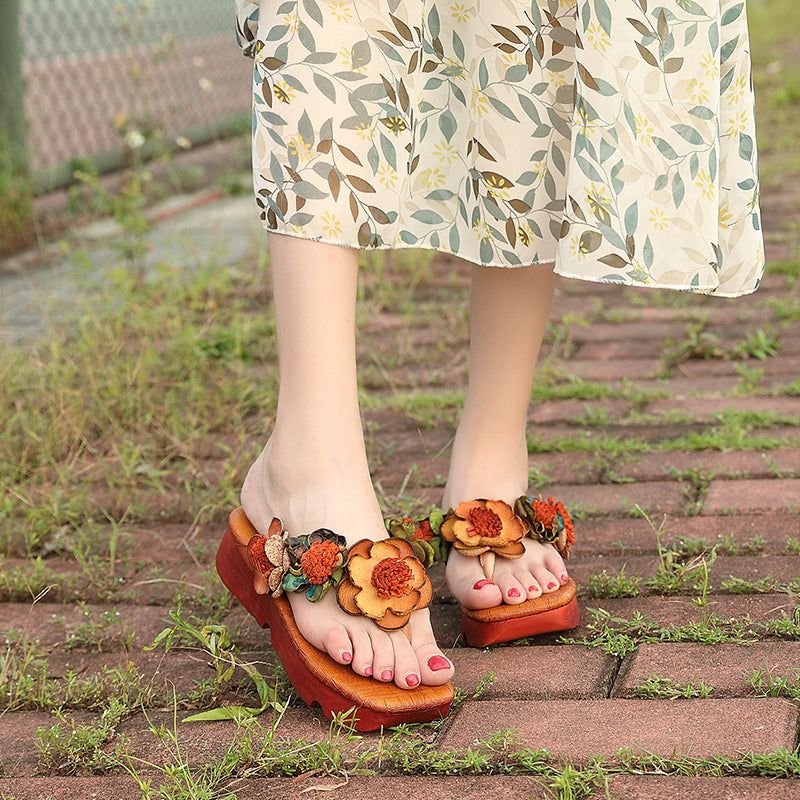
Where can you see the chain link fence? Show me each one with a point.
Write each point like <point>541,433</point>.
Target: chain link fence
<point>104,76</point>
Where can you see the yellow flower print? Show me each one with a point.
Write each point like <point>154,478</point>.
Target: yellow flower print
<point>365,131</point>
<point>454,69</point>
<point>597,37</point>
<point>331,226</point>
<point>706,186</point>
<point>710,65</point>
<point>540,169</point>
<point>585,125</point>
<point>283,91</point>
<point>432,178</point>
<point>658,219</point>
<point>444,152</point>
<point>725,216</point>
<point>346,58</point>
<point>698,92</point>
<point>387,175</point>
<point>738,123</point>
<point>510,59</point>
<point>461,12</point>
<point>292,21</point>
<point>340,10</point>
<point>480,102</point>
<point>556,79</point>
<point>394,124</point>
<point>299,147</point>
<point>297,229</point>
<point>644,130</point>
<point>596,197</point>
<point>575,247</point>
<point>482,231</point>
<point>736,90</point>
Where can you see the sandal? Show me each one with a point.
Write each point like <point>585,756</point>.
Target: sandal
<point>486,529</point>
<point>381,580</point>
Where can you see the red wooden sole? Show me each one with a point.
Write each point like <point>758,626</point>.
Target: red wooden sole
<point>483,634</point>
<point>315,676</point>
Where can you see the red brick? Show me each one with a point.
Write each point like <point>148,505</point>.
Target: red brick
<point>536,672</point>
<point>702,409</point>
<point>628,332</point>
<point>572,411</point>
<point>119,787</point>
<point>753,495</point>
<point>613,370</point>
<point>670,787</point>
<point>780,462</point>
<point>655,497</point>
<point>726,667</point>
<point>472,787</point>
<point>787,365</point>
<point>566,467</point>
<point>578,730</point>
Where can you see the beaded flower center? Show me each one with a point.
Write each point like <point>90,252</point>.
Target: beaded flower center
<point>423,531</point>
<point>256,549</point>
<point>485,522</point>
<point>391,578</point>
<point>545,513</point>
<point>319,561</point>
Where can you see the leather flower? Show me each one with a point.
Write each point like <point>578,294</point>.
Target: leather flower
<point>478,526</point>
<point>314,562</point>
<point>424,535</point>
<point>385,581</point>
<point>548,521</point>
<point>266,555</point>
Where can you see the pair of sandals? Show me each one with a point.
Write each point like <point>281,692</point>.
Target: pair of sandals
<point>386,581</point>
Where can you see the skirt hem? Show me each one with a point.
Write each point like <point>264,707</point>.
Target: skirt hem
<point>702,290</point>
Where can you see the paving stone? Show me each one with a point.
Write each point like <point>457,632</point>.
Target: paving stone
<point>473,787</point>
<point>753,495</point>
<point>578,730</point>
<point>670,787</point>
<point>703,409</point>
<point>778,365</point>
<point>726,667</point>
<point>613,370</point>
<point>622,535</point>
<point>18,754</point>
<point>572,411</point>
<point>655,497</point>
<point>534,672</point>
<point>119,787</point>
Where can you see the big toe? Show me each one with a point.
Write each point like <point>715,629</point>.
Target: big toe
<point>469,585</point>
<point>435,668</point>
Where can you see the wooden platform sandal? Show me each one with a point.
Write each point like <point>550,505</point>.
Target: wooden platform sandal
<point>488,529</point>
<point>382,580</point>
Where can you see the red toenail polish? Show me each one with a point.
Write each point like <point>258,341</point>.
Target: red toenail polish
<point>368,670</point>
<point>564,577</point>
<point>513,592</point>
<point>532,588</point>
<point>346,657</point>
<point>412,680</point>
<point>438,662</point>
<point>481,583</point>
<point>387,675</point>
<point>552,585</point>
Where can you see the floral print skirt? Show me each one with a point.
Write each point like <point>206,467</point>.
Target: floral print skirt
<point>615,138</point>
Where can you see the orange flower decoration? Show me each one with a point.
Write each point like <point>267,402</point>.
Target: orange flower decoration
<point>477,526</point>
<point>385,581</point>
<point>548,521</point>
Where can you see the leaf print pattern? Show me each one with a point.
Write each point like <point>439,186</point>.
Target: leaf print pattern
<point>612,137</point>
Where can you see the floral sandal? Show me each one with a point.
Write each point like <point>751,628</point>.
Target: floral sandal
<point>487,529</point>
<point>382,580</point>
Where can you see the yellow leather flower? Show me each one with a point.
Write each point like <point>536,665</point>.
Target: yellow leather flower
<point>385,581</point>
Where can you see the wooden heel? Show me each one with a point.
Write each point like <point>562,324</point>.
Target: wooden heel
<point>238,579</point>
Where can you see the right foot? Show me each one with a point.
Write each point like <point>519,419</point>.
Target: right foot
<point>333,499</point>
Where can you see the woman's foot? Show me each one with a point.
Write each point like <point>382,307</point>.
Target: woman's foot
<point>325,492</point>
<point>496,468</point>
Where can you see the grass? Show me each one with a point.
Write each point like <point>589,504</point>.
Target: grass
<point>657,687</point>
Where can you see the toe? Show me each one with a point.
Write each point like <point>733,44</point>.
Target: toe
<point>338,644</point>
<point>555,564</point>
<point>468,584</point>
<point>530,584</point>
<point>382,655</point>
<point>513,591</point>
<point>406,666</point>
<point>362,650</point>
<point>434,667</point>
<point>545,579</point>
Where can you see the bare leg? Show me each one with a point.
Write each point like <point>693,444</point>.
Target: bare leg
<point>313,471</point>
<point>509,309</point>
